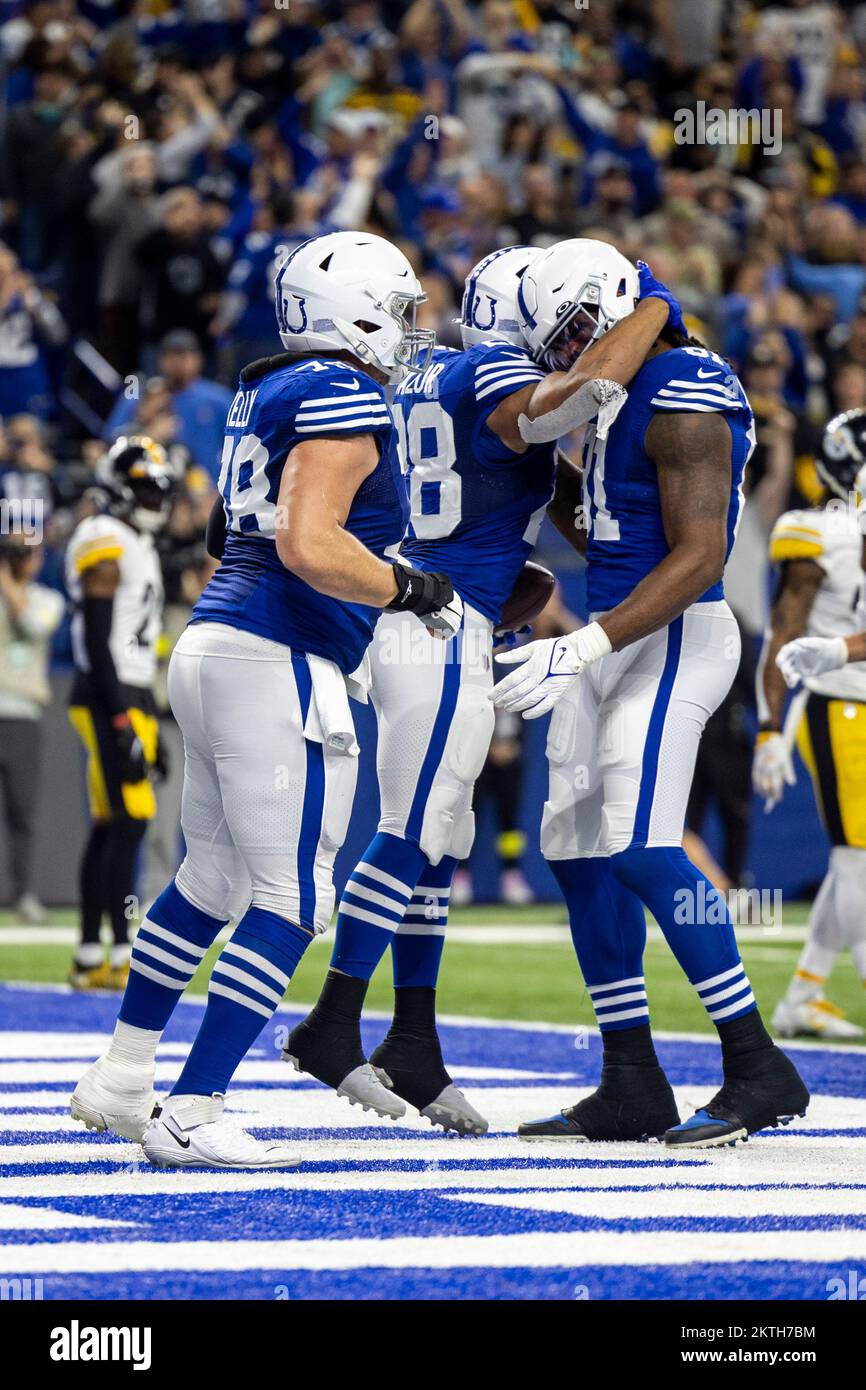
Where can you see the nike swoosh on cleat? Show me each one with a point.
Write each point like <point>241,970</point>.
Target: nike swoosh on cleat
<point>184,1143</point>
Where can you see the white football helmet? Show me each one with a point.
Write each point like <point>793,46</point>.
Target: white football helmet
<point>571,295</point>
<point>353,292</point>
<point>489,312</point>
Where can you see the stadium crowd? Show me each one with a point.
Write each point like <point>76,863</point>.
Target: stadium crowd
<point>157,160</point>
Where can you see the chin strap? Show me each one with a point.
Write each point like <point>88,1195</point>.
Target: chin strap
<point>600,397</point>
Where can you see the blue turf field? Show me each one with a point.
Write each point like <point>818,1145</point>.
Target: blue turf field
<point>378,1211</point>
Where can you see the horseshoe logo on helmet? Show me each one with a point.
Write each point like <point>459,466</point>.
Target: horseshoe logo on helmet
<point>476,322</point>
<point>295,327</point>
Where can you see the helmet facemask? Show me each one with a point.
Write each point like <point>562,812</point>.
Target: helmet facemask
<point>393,351</point>
<point>581,324</point>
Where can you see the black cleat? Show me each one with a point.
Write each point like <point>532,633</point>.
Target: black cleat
<point>413,1064</point>
<point>632,1103</point>
<point>771,1094</point>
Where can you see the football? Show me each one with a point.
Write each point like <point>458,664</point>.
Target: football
<point>532,590</point>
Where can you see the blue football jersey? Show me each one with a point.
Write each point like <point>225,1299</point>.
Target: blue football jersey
<point>476,506</point>
<point>626,536</point>
<point>252,589</point>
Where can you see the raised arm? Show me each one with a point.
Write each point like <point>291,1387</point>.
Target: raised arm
<point>616,357</point>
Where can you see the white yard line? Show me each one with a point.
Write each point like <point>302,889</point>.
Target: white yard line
<point>575,1251</point>
<point>487,934</point>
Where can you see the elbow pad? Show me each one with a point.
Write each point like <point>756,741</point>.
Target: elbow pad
<point>600,397</point>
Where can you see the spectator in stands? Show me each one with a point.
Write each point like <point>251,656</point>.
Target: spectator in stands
<point>30,324</point>
<point>182,276</point>
<point>123,212</point>
<point>27,467</point>
<point>200,406</point>
<point>29,616</point>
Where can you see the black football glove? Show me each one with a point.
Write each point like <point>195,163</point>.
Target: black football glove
<point>430,596</point>
<point>131,762</point>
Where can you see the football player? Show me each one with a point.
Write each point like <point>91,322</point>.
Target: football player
<point>313,497</point>
<point>114,579</point>
<point>812,637</point>
<point>477,430</point>
<point>631,693</point>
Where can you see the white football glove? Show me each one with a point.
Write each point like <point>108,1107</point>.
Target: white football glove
<point>811,656</point>
<point>772,768</point>
<point>546,670</point>
<point>445,622</point>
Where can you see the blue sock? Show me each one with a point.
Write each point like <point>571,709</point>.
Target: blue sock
<point>416,951</point>
<point>373,903</point>
<point>170,945</point>
<point>247,983</point>
<point>697,926</point>
<point>608,928</point>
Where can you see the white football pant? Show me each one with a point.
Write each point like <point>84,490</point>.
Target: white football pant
<point>266,801</point>
<point>624,738</point>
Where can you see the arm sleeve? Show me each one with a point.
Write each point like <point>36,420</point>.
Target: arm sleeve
<point>105,687</point>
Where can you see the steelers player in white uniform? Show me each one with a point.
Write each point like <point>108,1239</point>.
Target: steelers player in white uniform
<point>114,580</point>
<point>632,692</point>
<point>815,609</point>
<point>478,492</point>
<point>312,501</point>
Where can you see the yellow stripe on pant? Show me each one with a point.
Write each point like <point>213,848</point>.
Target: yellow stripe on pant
<point>135,798</point>
<point>831,738</point>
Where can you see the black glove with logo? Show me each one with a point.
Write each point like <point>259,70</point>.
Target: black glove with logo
<point>419,591</point>
<point>430,596</point>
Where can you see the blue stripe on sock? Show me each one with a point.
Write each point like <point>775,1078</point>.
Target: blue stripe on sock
<point>177,914</point>
<point>186,956</point>
<point>649,767</point>
<point>394,914</point>
<point>146,1003</point>
<point>314,802</point>
<point>438,737</point>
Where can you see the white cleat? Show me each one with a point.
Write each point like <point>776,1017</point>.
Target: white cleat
<point>190,1132</point>
<point>814,1018</point>
<point>111,1095</point>
<point>452,1110</point>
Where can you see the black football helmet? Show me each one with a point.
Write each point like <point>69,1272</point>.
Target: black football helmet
<point>842,452</point>
<point>139,480</point>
